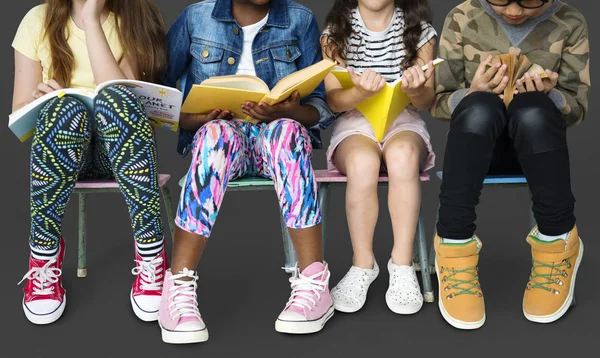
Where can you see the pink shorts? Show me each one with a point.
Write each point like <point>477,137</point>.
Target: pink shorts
<point>353,122</point>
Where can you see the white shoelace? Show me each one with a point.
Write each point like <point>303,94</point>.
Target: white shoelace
<point>150,272</point>
<point>43,278</point>
<point>311,287</point>
<point>184,302</point>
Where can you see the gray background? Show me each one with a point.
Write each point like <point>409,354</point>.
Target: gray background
<point>242,289</point>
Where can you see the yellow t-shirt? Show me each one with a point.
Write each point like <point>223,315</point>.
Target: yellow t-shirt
<point>30,41</point>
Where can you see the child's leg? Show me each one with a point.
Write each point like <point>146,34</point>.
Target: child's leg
<point>126,148</point>
<point>539,134</point>
<point>538,131</point>
<point>285,149</point>
<point>476,124</point>
<point>404,155</point>
<point>57,152</point>
<point>219,155</point>
<point>359,158</point>
<point>126,145</point>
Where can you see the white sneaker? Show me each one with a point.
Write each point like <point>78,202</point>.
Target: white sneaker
<point>404,293</point>
<point>350,294</point>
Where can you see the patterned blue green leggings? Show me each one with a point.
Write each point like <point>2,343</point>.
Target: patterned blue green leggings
<point>69,145</point>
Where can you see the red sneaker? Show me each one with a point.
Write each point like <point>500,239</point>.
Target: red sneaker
<point>45,298</point>
<point>147,287</point>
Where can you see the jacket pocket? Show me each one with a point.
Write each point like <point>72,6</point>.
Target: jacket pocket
<point>284,59</point>
<point>207,60</point>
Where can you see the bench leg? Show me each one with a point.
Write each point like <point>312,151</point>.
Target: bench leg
<point>288,248</point>
<point>323,204</point>
<point>166,194</point>
<point>422,248</point>
<point>432,250</point>
<point>81,257</point>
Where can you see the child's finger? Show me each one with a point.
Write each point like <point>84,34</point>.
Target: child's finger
<point>430,69</point>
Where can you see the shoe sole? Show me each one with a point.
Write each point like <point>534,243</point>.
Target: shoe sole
<point>403,309</point>
<point>140,313</point>
<point>307,327</point>
<point>45,318</point>
<point>568,302</point>
<point>175,337</point>
<point>451,320</point>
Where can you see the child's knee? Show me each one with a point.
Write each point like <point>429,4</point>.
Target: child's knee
<point>403,158</point>
<point>217,131</point>
<point>62,113</point>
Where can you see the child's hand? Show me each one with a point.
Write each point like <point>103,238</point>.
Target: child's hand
<point>45,88</point>
<point>536,83</point>
<point>489,79</point>
<point>92,11</point>
<point>414,79</point>
<point>367,84</point>
<point>267,113</point>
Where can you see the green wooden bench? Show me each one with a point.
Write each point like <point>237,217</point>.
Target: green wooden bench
<point>326,179</point>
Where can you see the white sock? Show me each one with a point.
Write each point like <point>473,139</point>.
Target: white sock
<point>457,241</point>
<point>547,238</point>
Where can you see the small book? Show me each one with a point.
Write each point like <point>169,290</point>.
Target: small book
<point>517,66</point>
<point>383,108</point>
<point>162,105</point>
<point>231,92</point>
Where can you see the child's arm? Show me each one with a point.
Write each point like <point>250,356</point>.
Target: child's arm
<point>344,99</point>
<point>104,65</point>
<point>418,85</point>
<point>28,74</point>
<point>450,85</point>
<point>571,93</point>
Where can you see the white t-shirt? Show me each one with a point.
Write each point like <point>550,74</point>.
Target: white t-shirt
<point>246,66</point>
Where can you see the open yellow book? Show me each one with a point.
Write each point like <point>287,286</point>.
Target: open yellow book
<point>517,66</point>
<point>381,109</point>
<point>231,92</point>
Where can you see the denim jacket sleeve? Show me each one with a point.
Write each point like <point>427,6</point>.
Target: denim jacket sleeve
<point>310,49</point>
<point>179,40</point>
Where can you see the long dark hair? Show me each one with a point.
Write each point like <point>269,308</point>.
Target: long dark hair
<point>340,27</point>
<point>141,30</point>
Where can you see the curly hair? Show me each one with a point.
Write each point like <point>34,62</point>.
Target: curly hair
<point>340,27</point>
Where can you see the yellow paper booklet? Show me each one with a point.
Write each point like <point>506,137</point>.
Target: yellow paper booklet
<point>517,66</point>
<point>382,109</point>
<point>231,92</point>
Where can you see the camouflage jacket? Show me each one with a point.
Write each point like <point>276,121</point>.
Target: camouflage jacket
<point>559,43</point>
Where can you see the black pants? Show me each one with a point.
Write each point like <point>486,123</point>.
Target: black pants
<point>486,138</point>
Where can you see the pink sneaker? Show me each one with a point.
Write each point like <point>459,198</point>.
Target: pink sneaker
<point>310,305</point>
<point>179,318</point>
<point>147,287</point>
<point>45,298</point>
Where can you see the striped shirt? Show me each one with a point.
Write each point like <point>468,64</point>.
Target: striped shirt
<point>381,51</point>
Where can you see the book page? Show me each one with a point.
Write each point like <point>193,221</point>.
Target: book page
<point>23,121</point>
<point>162,103</point>
<point>243,82</point>
<point>304,81</point>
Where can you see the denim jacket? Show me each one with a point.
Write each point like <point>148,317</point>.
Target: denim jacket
<point>206,41</point>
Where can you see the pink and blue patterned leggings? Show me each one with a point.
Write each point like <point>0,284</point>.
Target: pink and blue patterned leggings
<point>226,150</point>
